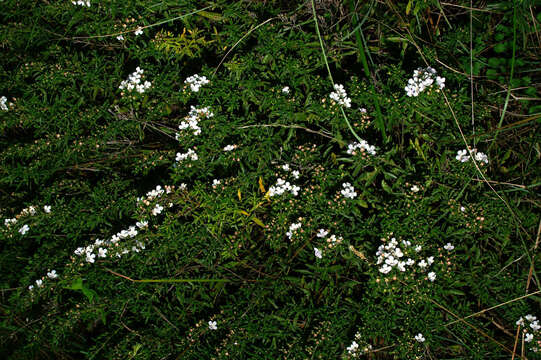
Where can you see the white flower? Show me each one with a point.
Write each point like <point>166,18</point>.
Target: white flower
<point>528,337</point>
<point>138,31</point>
<point>535,325</point>
<point>141,224</point>
<point>215,183</point>
<point>363,146</point>
<point>24,229</point>
<point>213,325</point>
<point>385,269</point>
<point>318,253</point>
<point>410,262</point>
<point>414,188</point>
<point>462,155</point>
<point>282,186</point>
<point>420,338</point>
<point>102,252</point>
<point>189,154</point>
<point>90,257</point>
<point>81,3</point>
<point>285,167</point>
<point>422,264</point>
<point>52,274</point>
<point>285,90</point>
<point>353,347</point>
<point>348,191</point>
<point>432,276</point>
<point>423,79</point>
<point>195,81</point>
<point>8,222</point>
<point>295,174</point>
<point>448,247</point>
<point>79,251</point>
<point>520,322</point>
<point>322,233</point>
<point>39,282</point>
<point>157,210</point>
<point>530,317</point>
<point>292,228</point>
<point>134,83</point>
<point>430,260</point>
<point>340,96</point>
<point>481,157</point>
<point>132,232</point>
<point>120,38</point>
<point>47,209</point>
<point>31,287</point>
<point>230,147</point>
<point>418,248</point>
<point>440,81</point>
<point>3,101</point>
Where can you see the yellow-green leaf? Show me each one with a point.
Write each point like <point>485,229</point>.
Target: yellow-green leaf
<point>258,222</point>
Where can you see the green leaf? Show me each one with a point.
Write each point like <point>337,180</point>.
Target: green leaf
<point>386,187</point>
<point>499,48</point>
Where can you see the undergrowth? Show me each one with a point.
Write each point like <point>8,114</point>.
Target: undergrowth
<point>269,179</point>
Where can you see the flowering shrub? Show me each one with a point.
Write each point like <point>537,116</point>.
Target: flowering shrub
<point>299,223</point>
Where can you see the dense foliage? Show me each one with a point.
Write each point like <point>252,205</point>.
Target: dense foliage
<point>261,180</point>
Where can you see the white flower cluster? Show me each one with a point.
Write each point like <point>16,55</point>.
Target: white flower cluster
<point>101,248</point>
<point>420,338</point>
<point>340,96</point>
<point>531,330</point>
<point>282,186</point>
<point>463,156</point>
<point>3,103</point>
<point>195,81</point>
<point>39,282</point>
<point>191,121</point>
<point>293,229</point>
<point>348,191</point>
<point>332,240</point>
<point>363,146</point>
<point>295,173</point>
<point>355,350</point>
<point>230,147</point>
<point>285,90</point>
<point>189,154</point>
<point>81,3</point>
<point>105,248</point>
<point>31,210</point>
<point>423,79</point>
<point>24,229</point>
<point>134,82</point>
<point>153,194</point>
<point>392,256</point>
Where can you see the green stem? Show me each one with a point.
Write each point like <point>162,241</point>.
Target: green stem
<point>362,55</point>
<point>329,70</point>
<point>510,76</point>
